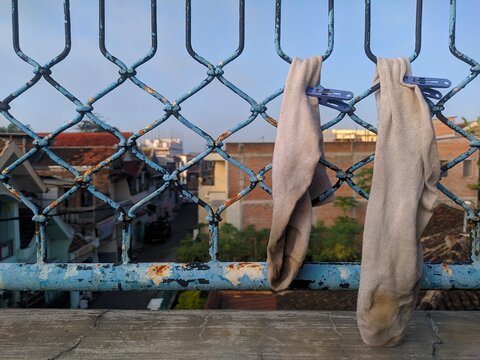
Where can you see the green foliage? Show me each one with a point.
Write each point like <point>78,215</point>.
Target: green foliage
<point>345,203</point>
<point>191,300</point>
<point>10,129</point>
<point>235,245</point>
<point>472,127</point>
<point>363,178</point>
<point>340,242</point>
<point>88,125</point>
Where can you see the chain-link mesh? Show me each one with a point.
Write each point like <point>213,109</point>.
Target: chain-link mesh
<point>213,274</point>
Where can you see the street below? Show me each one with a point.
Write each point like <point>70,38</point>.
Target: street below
<point>182,224</point>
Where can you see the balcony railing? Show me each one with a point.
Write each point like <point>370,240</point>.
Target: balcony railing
<point>213,274</point>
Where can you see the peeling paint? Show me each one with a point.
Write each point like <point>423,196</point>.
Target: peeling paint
<point>344,272</point>
<point>44,272</point>
<point>148,89</point>
<point>224,135</point>
<point>234,272</point>
<point>71,271</point>
<point>157,273</point>
<point>15,193</point>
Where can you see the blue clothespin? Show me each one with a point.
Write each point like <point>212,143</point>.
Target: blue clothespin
<point>331,97</point>
<point>426,85</point>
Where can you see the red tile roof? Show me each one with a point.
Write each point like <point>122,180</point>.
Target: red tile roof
<point>443,239</point>
<point>80,139</point>
<point>81,156</point>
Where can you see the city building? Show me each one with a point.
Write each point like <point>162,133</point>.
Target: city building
<point>343,148</point>
<point>126,180</point>
<point>17,230</point>
<point>165,147</point>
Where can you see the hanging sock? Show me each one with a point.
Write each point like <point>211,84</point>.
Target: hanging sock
<point>402,197</point>
<point>297,176</point>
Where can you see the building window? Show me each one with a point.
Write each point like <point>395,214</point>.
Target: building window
<point>442,164</point>
<point>467,168</point>
<point>207,172</point>
<point>6,249</point>
<point>86,198</point>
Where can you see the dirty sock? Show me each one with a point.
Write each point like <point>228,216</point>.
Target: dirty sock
<point>297,176</point>
<point>402,197</point>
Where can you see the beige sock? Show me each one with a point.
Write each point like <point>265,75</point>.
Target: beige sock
<point>297,176</point>
<point>403,194</point>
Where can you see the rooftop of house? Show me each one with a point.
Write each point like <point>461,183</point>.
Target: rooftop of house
<point>75,156</point>
<point>89,139</point>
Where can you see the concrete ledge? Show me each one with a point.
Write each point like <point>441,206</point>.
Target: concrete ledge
<point>117,334</point>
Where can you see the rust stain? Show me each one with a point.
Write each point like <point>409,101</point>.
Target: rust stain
<point>447,269</point>
<point>149,89</point>
<point>157,273</point>
<point>232,200</point>
<point>248,265</point>
<point>15,193</point>
<point>271,120</point>
<point>224,135</point>
<point>91,100</point>
<point>54,204</point>
<point>235,272</point>
<point>142,131</point>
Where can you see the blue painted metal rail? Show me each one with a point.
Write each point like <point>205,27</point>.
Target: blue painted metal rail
<point>214,274</point>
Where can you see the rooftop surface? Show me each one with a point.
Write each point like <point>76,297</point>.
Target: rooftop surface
<point>117,334</point>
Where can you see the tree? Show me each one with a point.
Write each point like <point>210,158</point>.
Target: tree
<point>339,242</point>
<point>345,203</point>
<point>88,125</point>
<point>363,178</point>
<point>472,127</point>
<point>235,245</point>
<point>190,300</point>
<point>10,129</point>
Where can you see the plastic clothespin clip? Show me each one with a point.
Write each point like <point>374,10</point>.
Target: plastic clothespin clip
<point>331,98</point>
<point>426,85</point>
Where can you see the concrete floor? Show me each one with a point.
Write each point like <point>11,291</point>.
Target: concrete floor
<point>182,224</point>
<point>216,334</point>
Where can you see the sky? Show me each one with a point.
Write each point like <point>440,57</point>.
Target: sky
<point>259,71</point>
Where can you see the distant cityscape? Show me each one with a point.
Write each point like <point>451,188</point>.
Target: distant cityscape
<point>83,228</point>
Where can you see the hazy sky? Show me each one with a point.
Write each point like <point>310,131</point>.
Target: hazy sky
<point>259,71</point>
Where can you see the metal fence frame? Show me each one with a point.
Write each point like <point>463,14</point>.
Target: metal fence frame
<point>213,274</point>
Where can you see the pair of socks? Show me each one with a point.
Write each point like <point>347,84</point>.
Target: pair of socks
<point>402,197</point>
